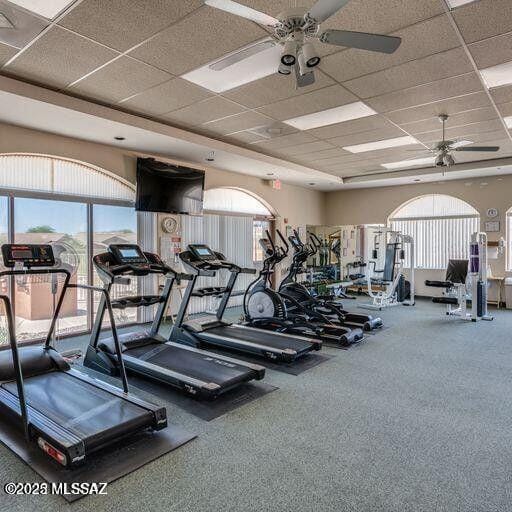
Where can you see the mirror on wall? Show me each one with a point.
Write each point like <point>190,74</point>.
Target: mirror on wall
<point>340,248</point>
<point>326,240</point>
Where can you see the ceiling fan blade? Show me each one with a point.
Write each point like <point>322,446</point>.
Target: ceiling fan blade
<point>305,79</point>
<point>324,9</point>
<point>243,11</point>
<point>478,148</point>
<point>361,40</point>
<point>243,54</point>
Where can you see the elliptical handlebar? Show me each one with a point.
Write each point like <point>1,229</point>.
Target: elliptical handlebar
<point>286,249</point>
<point>267,232</point>
<point>315,240</point>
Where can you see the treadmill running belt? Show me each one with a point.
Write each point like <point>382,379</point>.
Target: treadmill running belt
<point>78,406</point>
<point>261,337</point>
<point>192,364</point>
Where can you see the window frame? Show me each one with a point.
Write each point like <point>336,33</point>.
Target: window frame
<point>256,248</point>
<point>508,238</point>
<point>396,218</point>
<point>13,193</point>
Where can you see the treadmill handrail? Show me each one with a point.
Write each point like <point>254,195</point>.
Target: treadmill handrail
<point>17,365</point>
<point>30,271</point>
<point>152,267</point>
<point>113,327</point>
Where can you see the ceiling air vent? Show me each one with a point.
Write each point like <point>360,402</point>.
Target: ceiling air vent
<point>18,27</point>
<point>5,22</point>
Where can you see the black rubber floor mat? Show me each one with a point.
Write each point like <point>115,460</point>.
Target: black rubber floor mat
<point>293,368</point>
<point>375,332</point>
<point>109,464</point>
<point>205,409</point>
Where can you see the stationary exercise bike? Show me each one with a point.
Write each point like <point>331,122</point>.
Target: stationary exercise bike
<point>265,308</point>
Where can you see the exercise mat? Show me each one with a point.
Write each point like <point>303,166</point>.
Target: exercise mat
<point>109,464</point>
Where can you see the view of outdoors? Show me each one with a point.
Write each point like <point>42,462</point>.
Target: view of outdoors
<point>64,225</point>
<point>115,225</point>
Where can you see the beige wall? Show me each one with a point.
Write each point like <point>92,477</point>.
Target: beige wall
<point>299,205</point>
<point>374,205</point>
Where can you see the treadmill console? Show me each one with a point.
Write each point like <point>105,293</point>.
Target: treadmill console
<point>203,253</point>
<point>28,255</point>
<point>128,254</point>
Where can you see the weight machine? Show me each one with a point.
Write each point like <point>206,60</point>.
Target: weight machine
<point>395,288</point>
<point>455,295</point>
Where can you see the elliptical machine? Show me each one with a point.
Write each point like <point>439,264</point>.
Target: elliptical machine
<point>264,308</point>
<point>289,287</point>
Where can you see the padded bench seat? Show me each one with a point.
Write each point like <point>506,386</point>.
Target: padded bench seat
<point>445,300</point>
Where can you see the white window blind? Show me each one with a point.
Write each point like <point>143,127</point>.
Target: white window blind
<point>441,227</point>
<point>61,176</point>
<point>230,235</point>
<point>230,200</point>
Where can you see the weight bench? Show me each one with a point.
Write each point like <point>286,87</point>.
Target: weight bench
<point>455,290</point>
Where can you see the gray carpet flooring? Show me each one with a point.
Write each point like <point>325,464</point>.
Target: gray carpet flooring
<point>417,418</point>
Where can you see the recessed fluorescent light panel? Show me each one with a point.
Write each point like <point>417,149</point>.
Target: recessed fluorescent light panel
<point>457,3</point>
<point>47,8</point>
<point>497,75</point>
<point>237,68</point>
<point>331,116</point>
<point>381,144</point>
<point>409,163</point>
<point>508,121</point>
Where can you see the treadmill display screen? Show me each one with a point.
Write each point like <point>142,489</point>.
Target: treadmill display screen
<point>130,253</point>
<point>30,255</point>
<point>21,254</point>
<point>202,252</point>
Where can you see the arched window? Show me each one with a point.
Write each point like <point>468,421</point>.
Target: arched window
<point>232,200</point>
<point>76,206</point>
<point>54,175</point>
<point>233,223</point>
<point>440,225</point>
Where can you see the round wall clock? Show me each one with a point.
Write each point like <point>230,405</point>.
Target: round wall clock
<point>169,225</point>
<point>492,213</point>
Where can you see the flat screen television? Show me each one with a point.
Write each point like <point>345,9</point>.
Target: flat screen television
<point>168,188</point>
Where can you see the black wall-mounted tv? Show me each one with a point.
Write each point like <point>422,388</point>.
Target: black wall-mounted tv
<point>168,188</point>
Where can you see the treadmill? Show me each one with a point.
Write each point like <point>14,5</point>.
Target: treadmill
<point>66,413</point>
<point>203,262</point>
<point>147,353</point>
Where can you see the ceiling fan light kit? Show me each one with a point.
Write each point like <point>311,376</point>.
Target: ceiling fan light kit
<point>289,55</point>
<point>442,150</point>
<point>283,69</point>
<point>294,30</point>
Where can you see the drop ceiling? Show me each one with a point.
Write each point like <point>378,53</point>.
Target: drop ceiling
<point>135,57</point>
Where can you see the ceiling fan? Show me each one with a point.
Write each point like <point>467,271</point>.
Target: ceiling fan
<point>294,29</point>
<point>444,148</point>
